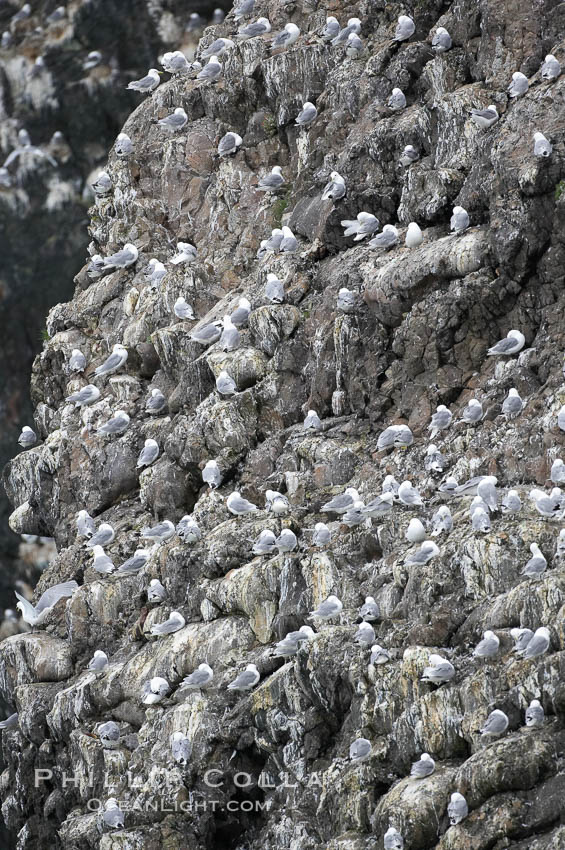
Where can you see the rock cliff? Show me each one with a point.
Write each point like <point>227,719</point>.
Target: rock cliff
<point>415,337</point>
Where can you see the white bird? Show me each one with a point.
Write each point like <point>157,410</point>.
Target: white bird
<point>212,71</point>
<point>135,563</point>
<point>457,808</point>
<point>98,662</point>
<point>265,543</point>
<point>200,678</point>
<point>286,37</point>
<point>77,361</point>
<point>534,714</point>
<point>561,417</point>
<point>159,533</point>
<point>101,562</point>
<point>425,766</point>
<point>379,655</point>
<point>247,680</point>
<point>416,531</point>
<point>440,670</point>
<point>182,309</point>
<point>542,146</point>
<point>103,536</point>
<point>322,535</point>
<point>365,225</point>
<point>229,144</point>
<point>399,436</point>
<point>146,84</point>
<point>286,541</point>
<point>537,645</point>
<point>365,634</point>
<point>405,28</point>
<point>484,118</point>
<point>522,637</point>
<point>409,155</point>
<point>156,402</point>
<point>414,236</point>
<point>519,85</point>
<point>239,506</point>
<point>225,384</point>
<point>328,609</point>
<point>434,461</point>
<point>512,344</point>
<point>472,412</point>
<point>425,553</point>
<point>441,42</point>
<point>175,121</point>
<point>27,438</point>
<point>306,115</point>
<point>459,220</point>
<point>123,145</point>
<point>114,362</point>
<point>546,506</point>
<point>408,495</point>
<point>537,564</point>
<point>155,690</point>
<point>557,474</point>
<point>188,530</point>
<point>550,68</point>
<point>156,592</point>
<point>289,243</point>
<point>122,259</point>
<point>393,840</point>
<point>290,644</point>
<point>486,490</point>
<point>217,48</point>
<point>86,526</point>
<point>331,29</point>
<point>511,504</point>
<point>360,750</point>
<point>274,289</point>
<point>117,424</point>
<point>390,485</point>
<point>173,623</point>
<point>148,454</point>
<point>397,100</point>
<point>276,502</point>
<point>207,334</point>
<point>181,747</point>
<point>175,62</point>
<point>387,239</point>
<point>35,615</point>
<point>109,734</point>
<point>353,46</point>
<point>442,521</point>
<point>342,503</point>
<point>312,421</point>
<point>112,816</point>
<point>186,253</point>
<point>480,520</point>
<point>230,338</point>
<point>260,27</point>
<point>512,405</point>
<point>369,611</point>
<point>346,300</point>
<point>450,485</point>
<point>496,723</point>
<point>273,181</point>
<point>10,722</point>
<point>441,420</point>
<point>488,646</point>
<point>211,474</point>
<point>103,184</point>
<point>379,506</point>
<point>335,189</point>
<point>353,26</point>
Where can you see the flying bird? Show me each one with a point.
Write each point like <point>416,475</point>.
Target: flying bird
<point>35,615</point>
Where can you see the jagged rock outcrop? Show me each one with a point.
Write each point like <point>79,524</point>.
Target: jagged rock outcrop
<point>417,337</point>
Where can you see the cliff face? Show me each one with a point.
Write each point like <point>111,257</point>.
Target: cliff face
<point>416,337</point>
